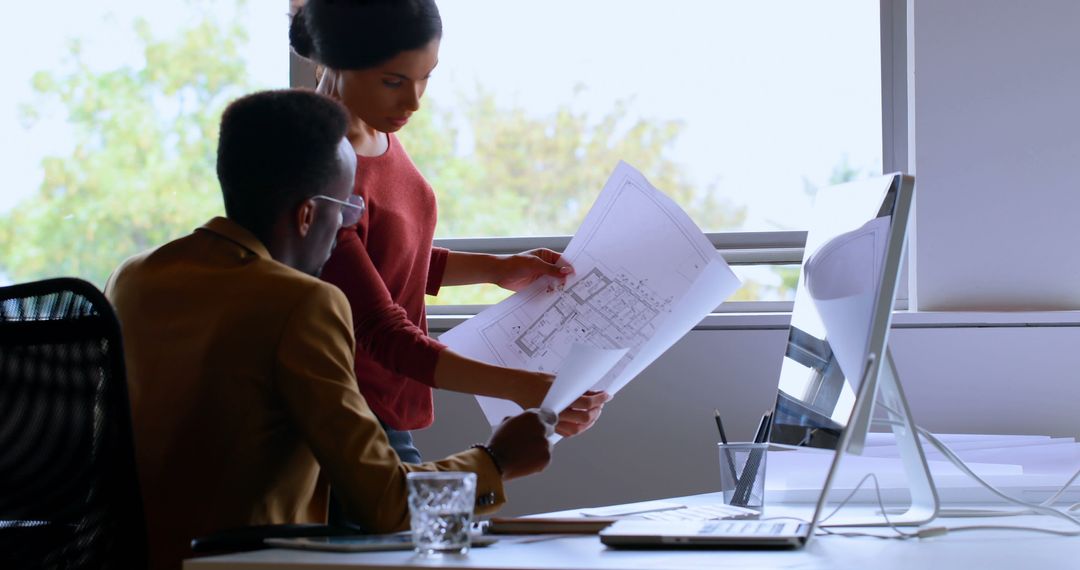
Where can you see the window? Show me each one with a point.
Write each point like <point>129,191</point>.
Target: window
<point>738,110</point>
<point>115,108</point>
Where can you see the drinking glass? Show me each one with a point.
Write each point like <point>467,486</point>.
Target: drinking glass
<point>441,509</point>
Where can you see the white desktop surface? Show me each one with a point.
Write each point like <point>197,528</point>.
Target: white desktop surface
<point>969,549</point>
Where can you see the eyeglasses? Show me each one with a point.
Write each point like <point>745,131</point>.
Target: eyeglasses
<point>350,210</point>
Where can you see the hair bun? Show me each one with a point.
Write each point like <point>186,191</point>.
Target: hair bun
<point>360,34</point>
<point>299,39</point>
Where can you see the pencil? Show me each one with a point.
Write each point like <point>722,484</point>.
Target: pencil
<point>720,426</point>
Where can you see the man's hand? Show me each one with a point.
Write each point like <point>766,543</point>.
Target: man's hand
<point>582,414</point>
<point>515,272</point>
<point>521,444</point>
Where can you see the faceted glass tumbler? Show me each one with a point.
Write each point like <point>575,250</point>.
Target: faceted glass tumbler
<point>441,510</point>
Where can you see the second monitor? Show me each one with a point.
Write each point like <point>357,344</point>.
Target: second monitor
<point>837,371</point>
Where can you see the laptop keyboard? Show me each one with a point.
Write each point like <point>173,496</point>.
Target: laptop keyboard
<point>747,528</point>
<point>697,513</point>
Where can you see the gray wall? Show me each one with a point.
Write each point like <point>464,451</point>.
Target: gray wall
<point>996,88</point>
<point>994,102</point>
<point>657,437</point>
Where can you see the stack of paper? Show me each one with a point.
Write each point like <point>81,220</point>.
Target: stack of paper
<point>1027,467</point>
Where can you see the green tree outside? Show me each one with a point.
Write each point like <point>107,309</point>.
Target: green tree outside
<point>142,169</point>
<point>529,175</point>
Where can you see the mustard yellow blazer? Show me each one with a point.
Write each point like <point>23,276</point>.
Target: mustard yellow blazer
<point>244,401</point>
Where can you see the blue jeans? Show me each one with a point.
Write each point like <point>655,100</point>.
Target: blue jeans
<point>402,442</point>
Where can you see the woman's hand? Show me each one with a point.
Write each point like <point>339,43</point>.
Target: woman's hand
<point>515,272</point>
<point>582,414</point>
<point>576,418</point>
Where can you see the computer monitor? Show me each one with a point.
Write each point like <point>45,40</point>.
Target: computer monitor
<point>837,370</point>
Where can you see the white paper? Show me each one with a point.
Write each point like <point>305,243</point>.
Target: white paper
<point>631,509</point>
<point>1027,466</point>
<point>842,278</point>
<point>645,274</point>
<point>581,370</point>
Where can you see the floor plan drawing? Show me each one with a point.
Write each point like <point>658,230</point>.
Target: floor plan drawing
<point>644,275</point>
<point>598,310</point>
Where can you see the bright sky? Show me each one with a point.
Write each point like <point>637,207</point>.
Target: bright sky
<point>770,91</point>
<point>37,40</point>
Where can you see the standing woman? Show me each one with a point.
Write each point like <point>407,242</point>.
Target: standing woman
<point>376,57</point>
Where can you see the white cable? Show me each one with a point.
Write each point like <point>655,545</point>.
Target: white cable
<point>972,513</point>
<point>1061,492</point>
<point>881,503</point>
<point>1042,508</point>
<point>959,463</point>
<point>1014,528</point>
<point>926,532</point>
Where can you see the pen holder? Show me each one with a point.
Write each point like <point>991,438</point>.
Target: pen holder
<point>742,473</point>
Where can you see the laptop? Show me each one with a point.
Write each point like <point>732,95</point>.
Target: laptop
<point>825,386</point>
<point>724,533</point>
<point>707,534</point>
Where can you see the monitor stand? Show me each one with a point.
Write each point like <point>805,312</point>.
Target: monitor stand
<point>887,397</point>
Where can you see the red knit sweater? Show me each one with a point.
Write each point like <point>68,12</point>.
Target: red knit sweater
<point>384,265</point>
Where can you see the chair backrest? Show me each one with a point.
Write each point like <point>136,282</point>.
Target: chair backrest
<point>69,495</point>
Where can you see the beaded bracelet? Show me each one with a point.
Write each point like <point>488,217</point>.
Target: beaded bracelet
<point>491,453</point>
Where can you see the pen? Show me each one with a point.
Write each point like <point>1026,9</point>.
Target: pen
<point>760,433</point>
<point>744,488</point>
<point>729,460</point>
<point>720,426</point>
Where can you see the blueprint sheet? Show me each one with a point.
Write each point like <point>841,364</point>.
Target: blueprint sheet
<point>644,275</point>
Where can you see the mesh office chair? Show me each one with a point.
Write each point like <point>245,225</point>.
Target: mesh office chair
<point>69,497</point>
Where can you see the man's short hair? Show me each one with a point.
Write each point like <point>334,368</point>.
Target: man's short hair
<point>276,149</point>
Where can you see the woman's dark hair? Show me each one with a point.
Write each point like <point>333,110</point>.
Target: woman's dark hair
<point>276,149</point>
<point>359,34</point>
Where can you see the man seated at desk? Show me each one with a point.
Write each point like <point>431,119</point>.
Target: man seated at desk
<point>244,403</point>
